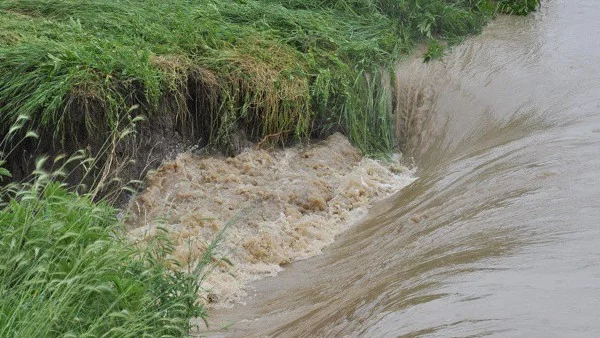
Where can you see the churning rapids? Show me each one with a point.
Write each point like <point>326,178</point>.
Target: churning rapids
<point>271,208</point>
<point>500,233</point>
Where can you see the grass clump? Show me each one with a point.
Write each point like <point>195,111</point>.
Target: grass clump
<point>518,7</point>
<point>278,70</point>
<point>66,271</point>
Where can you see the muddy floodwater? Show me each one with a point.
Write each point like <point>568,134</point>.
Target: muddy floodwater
<point>278,206</point>
<point>499,235</point>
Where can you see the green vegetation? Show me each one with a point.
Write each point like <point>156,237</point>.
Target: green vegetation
<point>66,271</point>
<point>278,69</point>
<point>518,7</point>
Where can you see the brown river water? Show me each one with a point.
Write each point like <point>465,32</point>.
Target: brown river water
<point>498,235</point>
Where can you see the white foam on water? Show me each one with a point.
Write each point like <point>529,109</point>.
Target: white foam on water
<point>293,203</point>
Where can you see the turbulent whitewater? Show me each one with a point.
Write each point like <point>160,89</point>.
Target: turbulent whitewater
<point>283,206</point>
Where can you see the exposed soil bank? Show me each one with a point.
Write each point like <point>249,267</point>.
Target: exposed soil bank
<point>70,72</point>
<point>292,202</point>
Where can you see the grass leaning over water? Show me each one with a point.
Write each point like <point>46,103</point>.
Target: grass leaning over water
<point>277,69</point>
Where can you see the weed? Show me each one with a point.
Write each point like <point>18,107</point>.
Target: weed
<point>435,50</point>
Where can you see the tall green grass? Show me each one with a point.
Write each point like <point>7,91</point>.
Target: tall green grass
<point>518,7</point>
<point>67,271</point>
<point>278,69</point>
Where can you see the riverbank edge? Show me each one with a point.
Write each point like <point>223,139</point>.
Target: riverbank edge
<point>75,79</point>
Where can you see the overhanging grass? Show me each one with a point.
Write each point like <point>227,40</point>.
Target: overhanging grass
<point>277,69</point>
